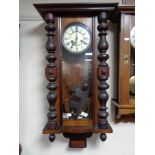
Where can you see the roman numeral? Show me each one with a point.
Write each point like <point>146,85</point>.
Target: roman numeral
<point>76,28</point>
<point>85,43</point>
<point>68,43</point>
<point>72,29</point>
<point>68,33</point>
<point>85,38</point>
<point>81,47</point>
<point>71,46</point>
<point>81,30</point>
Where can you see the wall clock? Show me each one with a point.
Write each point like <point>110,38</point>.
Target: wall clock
<point>77,71</point>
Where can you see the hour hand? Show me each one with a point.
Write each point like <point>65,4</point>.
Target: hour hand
<point>76,38</point>
<point>73,43</point>
<point>82,41</point>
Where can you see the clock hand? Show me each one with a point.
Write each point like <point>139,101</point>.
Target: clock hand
<point>76,38</point>
<point>76,28</point>
<point>71,46</point>
<point>73,43</point>
<point>82,41</point>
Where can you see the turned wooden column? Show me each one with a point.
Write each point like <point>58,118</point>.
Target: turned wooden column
<point>51,73</point>
<point>103,70</point>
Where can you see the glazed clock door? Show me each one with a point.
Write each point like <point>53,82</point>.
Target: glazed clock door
<point>77,57</point>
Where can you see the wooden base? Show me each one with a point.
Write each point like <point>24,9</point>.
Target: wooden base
<point>98,130</point>
<point>126,111</point>
<point>46,130</point>
<point>126,118</point>
<point>77,140</point>
<point>77,129</point>
<point>77,135</point>
<point>78,143</point>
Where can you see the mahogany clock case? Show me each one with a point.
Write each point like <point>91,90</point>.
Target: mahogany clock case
<point>124,103</point>
<point>72,74</point>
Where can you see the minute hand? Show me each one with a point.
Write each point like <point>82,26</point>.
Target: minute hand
<point>82,41</point>
<point>76,38</point>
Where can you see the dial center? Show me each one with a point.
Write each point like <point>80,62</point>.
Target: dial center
<point>77,38</point>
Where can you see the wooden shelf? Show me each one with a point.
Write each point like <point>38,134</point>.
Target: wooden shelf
<point>108,130</point>
<point>123,109</point>
<point>124,106</point>
<point>46,130</point>
<point>77,129</point>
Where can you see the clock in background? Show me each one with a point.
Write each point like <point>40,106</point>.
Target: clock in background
<point>132,37</point>
<point>132,78</point>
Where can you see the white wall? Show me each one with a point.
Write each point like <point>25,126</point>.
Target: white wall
<point>33,104</point>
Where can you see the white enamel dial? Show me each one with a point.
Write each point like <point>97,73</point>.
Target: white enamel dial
<point>76,38</point>
<point>132,37</point>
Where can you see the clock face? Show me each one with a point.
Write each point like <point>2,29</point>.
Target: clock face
<point>76,38</point>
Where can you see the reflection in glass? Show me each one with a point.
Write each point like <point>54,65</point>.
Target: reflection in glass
<point>76,85</point>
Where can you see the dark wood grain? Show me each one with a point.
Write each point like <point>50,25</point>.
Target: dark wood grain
<point>127,9</point>
<point>77,123</point>
<point>103,70</point>
<point>51,72</point>
<point>124,103</point>
<point>77,140</point>
<point>20,149</point>
<point>76,9</point>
